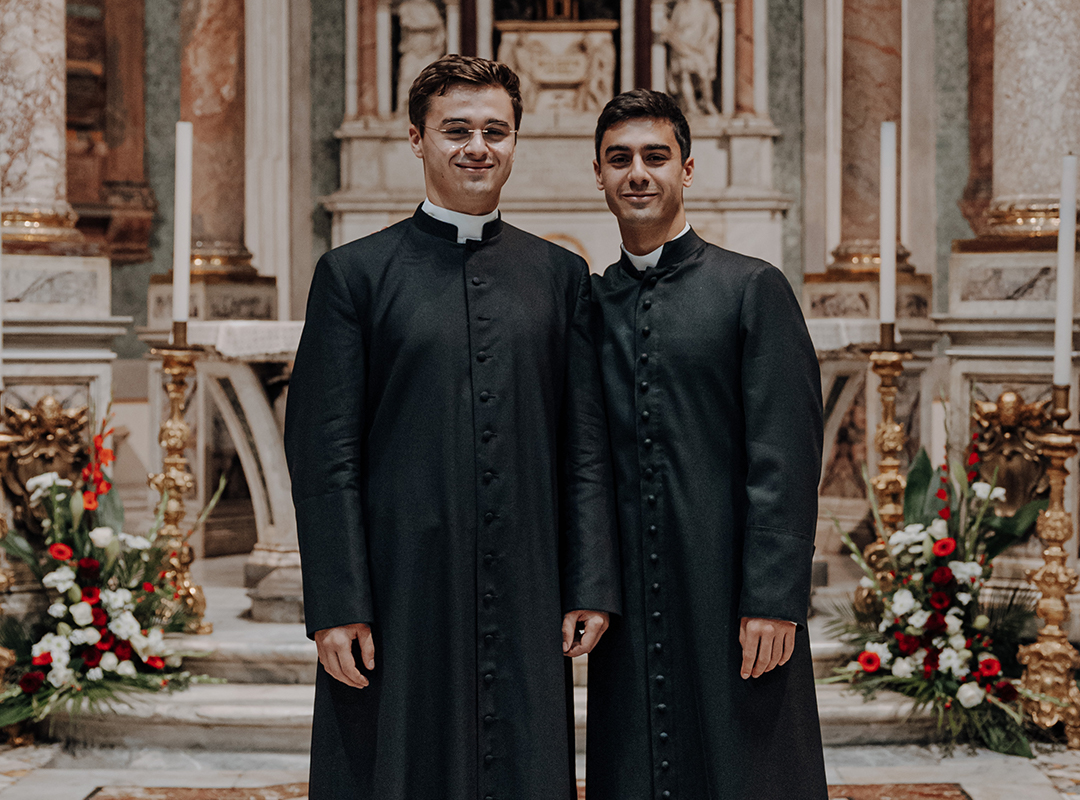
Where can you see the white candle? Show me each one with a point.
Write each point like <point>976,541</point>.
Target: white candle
<point>1066,266</point>
<point>182,224</point>
<point>1,290</point>
<point>887,231</point>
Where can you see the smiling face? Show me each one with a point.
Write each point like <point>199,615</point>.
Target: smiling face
<point>643,176</point>
<point>466,177</point>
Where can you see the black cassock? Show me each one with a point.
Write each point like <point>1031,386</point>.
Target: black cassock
<point>451,477</point>
<point>713,397</point>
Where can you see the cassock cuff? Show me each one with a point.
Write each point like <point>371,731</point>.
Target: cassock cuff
<point>777,566</point>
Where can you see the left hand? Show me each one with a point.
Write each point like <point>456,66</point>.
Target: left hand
<point>594,623</point>
<point>766,644</point>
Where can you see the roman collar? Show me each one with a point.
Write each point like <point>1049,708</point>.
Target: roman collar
<point>674,252</point>
<point>448,230</point>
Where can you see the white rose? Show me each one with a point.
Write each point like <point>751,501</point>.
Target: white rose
<point>109,662</point>
<point>134,542</point>
<point>966,571</point>
<point>970,695</point>
<point>903,668</point>
<point>61,579</point>
<point>954,661</point>
<point>91,635</point>
<point>125,625</point>
<point>50,643</point>
<point>61,658</point>
<point>963,597</point>
<point>918,657</point>
<point>95,674</point>
<point>981,490</point>
<point>101,537</point>
<point>953,624</point>
<point>57,610</point>
<point>119,600</point>
<point>881,650</point>
<point>58,676</point>
<point>125,668</point>
<point>998,493</point>
<point>82,613</point>
<point>902,602</point>
<point>957,641</point>
<point>939,528</point>
<point>919,618</point>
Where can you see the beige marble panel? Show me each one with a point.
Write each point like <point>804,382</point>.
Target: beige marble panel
<point>1036,97</point>
<point>32,106</point>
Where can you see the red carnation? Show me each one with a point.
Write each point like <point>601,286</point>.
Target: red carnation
<point>155,662</point>
<point>942,493</point>
<point>940,600</point>
<point>944,547</point>
<point>100,617</point>
<point>42,661</point>
<point>123,650</point>
<point>91,594</point>
<point>60,551</point>
<point>91,657</point>
<point>990,667</point>
<point>89,501</point>
<point>31,681</point>
<point>973,459</point>
<point>107,640</point>
<point>941,576</point>
<point>1006,691</point>
<point>870,662</point>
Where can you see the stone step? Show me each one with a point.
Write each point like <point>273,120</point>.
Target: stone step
<point>277,718</point>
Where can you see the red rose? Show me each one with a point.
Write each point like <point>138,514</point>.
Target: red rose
<point>156,662</point>
<point>41,661</point>
<point>100,617</point>
<point>945,513</point>
<point>91,594</point>
<point>89,501</point>
<point>973,459</point>
<point>940,600</point>
<point>942,493</point>
<point>989,667</point>
<point>870,662</point>
<point>1006,691</point>
<point>944,547</point>
<point>941,576</point>
<point>107,640</point>
<point>89,564</point>
<point>123,650</point>
<point>906,644</point>
<point>935,624</point>
<point>60,551</point>
<point>931,660</point>
<point>91,657</point>
<point>31,681</point>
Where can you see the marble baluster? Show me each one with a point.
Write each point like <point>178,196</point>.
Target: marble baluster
<point>212,99</point>
<point>744,56</point>
<point>1036,111</point>
<point>33,159</point>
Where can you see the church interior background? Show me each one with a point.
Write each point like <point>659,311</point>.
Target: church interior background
<point>300,145</point>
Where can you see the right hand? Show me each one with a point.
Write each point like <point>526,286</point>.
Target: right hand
<point>336,653</point>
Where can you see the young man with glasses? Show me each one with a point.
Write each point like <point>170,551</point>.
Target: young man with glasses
<point>703,689</point>
<point>451,476</point>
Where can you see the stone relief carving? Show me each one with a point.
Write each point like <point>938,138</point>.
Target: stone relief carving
<point>573,70</point>
<point>692,37</point>
<point>1004,438</point>
<point>423,39</point>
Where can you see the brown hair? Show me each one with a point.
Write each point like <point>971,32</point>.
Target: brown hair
<point>438,77</point>
<point>644,104</point>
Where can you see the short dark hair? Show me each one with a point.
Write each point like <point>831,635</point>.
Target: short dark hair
<point>438,77</point>
<point>644,104</point>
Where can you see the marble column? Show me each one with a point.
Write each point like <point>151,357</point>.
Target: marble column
<point>368,101</point>
<point>33,160</point>
<point>980,42</point>
<point>1036,111</point>
<point>744,56</point>
<point>212,99</point>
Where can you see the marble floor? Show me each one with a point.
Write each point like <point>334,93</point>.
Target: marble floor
<point>48,772</point>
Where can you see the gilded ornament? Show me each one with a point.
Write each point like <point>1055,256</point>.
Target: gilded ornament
<point>1005,434</point>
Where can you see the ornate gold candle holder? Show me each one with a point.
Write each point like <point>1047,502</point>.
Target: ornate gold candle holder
<point>1050,663</point>
<point>175,480</point>
<point>888,485</point>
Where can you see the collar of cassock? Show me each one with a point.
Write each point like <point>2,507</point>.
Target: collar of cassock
<point>667,255</point>
<point>454,225</point>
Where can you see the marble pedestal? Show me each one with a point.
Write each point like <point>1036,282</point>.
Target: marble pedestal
<point>214,297</point>
<point>853,294</point>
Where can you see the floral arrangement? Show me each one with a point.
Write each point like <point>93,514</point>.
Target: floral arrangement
<point>111,602</point>
<point>942,638</point>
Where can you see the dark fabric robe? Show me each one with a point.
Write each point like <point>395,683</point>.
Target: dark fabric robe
<point>451,477</point>
<point>713,397</point>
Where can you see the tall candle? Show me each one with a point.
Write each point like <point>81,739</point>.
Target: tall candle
<point>1,289</point>
<point>887,230</point>
<point>182,224</point>
<point>1066,266</point>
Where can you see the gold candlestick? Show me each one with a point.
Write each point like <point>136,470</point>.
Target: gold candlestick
<point>888,485</point>
<point>175,480</point>
<point>1050,663</point>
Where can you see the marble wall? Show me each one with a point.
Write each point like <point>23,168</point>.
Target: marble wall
<point>785,43</point>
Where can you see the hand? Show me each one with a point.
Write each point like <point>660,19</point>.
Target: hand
<point>577,643</point>
<point>335,652</point>
<point>766,644</point>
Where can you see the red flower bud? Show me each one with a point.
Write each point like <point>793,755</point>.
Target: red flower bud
<point>89,501</point>
<point>972,476</point>
<point>942,494</point>
<point>945,513</point>
<point>973,458</point>
<point>148,587</point>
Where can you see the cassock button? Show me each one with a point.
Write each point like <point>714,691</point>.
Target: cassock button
<point>481,356</point>
<point>656,615</point>
<point>484,397</point>
<point>649,473</point>
<point>652,499</point>
<point>475,281</point>
<point>656,588</point>
<point>660,681</point>
<point>645,416</point>
<point>644,358</point>
<point>489,640</point>
<point>645,331</point>
<point>489,476</point>
<point>489,679</point>
<point>663,736</point>
<point>644,386</point>
<point>652,281</point>
<point>653,530</point>
<point>653,557</point>
<point>647,304</point>
<point>662,708</point>
<point>658,647</point>
<point>488,759</point>
<point>647,443</point>
<point>488,517</point>
<point>486,436</point>
<point>489,719</point>
<point>666,794</point>
<point>665,765</point>
<point>489,559</point>
<point>488,599</point>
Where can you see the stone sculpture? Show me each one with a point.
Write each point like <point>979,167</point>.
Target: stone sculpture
<point>692,37</point>
<point>423,39</point>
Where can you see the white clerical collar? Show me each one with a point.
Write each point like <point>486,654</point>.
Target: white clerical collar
<point>468,226</point>
<point>651,259</point>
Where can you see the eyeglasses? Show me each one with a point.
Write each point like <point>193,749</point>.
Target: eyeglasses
<point>461,136</point>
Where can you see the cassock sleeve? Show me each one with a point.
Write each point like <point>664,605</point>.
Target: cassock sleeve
<point>323,434</point>
<point>781,388</point>
<point>589,550</point>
